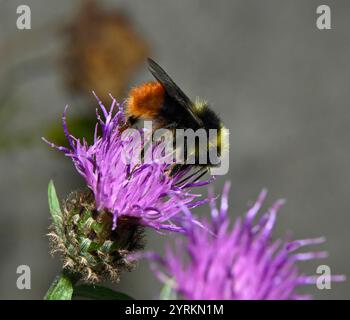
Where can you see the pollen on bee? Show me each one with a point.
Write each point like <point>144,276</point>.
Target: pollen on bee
<point>223,139</point>
<point>199,103</point>
<point>145,100</point>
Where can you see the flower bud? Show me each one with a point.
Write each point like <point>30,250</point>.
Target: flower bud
<point>88,244</point>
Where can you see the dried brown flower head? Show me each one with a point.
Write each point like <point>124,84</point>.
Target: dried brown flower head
<point>103,51</point>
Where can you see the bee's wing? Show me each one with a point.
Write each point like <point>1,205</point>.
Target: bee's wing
<point>172,89</point>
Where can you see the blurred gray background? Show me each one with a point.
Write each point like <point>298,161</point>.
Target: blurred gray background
<point>280,85</point>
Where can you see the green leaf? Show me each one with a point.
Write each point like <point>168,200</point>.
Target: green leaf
<point>99,293</point>
<point>61,288</point>
<point>54,206</point>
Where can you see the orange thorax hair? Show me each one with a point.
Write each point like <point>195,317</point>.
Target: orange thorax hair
<point>145,100</point>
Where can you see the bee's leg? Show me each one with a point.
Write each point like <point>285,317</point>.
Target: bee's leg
<point>205,170</point>
<point>200,173</point>
<point>171,126</point>
<point>130,121</point>
<point>176,168</point>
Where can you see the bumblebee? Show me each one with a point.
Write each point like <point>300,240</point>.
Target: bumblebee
<point>163,102</point>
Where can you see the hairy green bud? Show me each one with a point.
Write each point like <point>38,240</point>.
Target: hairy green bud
<point>87,243</point>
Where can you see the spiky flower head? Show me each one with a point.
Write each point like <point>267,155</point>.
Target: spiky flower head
<point>104,224</point>
<point>236,263</point>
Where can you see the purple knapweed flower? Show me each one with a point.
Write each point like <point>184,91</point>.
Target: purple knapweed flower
<point>121,185</point>
<point>242,262</point>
